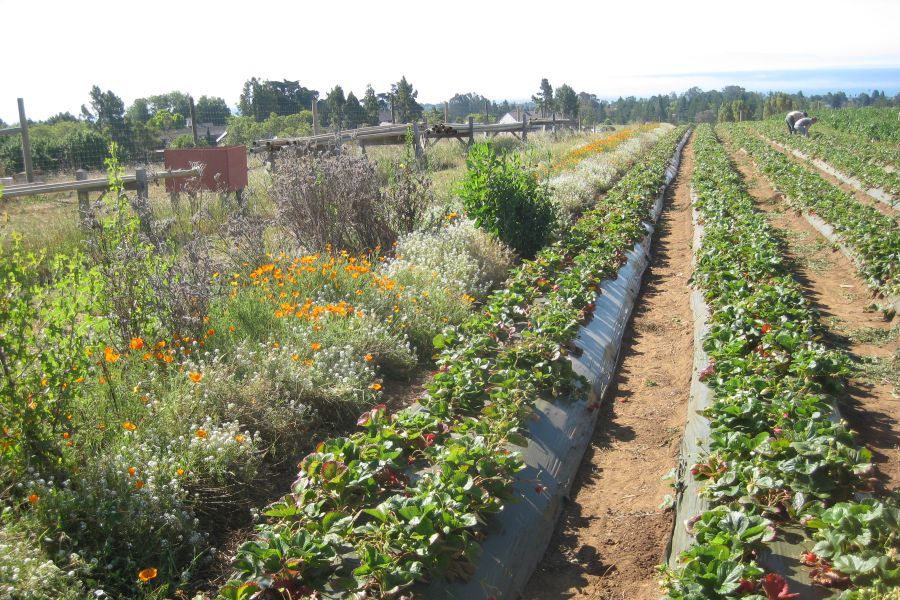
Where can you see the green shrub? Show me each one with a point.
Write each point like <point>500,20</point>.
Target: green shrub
<point>186,140</point>
<point>503,196</point>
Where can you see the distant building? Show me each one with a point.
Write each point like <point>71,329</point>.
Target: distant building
<point>515,116</point>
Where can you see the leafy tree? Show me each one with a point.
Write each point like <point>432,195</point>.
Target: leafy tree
<point>544,98</point>
<point>65,117</point>
<point>212,109</point>
<point>567,100</point>
<point>371,106</point>
<point>107,110</point>
<point>261,98</point>
<point>403,101</point>
<point>174,102</point>
<point>163,120</point>
<point>335,101</point>
<point>354,114</point>
<point>139,111</point>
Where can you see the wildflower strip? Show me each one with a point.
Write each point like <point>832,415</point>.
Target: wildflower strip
<point>407,498</point>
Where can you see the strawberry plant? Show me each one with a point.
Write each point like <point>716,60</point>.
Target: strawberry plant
<point>774,455</point>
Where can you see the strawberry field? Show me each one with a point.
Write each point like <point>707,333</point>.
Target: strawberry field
<point>336,390</point>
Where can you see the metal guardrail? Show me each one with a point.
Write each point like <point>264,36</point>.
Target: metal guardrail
<point>87,185</point>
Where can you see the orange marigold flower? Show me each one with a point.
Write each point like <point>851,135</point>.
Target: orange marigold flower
<point>129,425</point>
<point>201,433</point>
<point>136,343</point>
<point>132,471</point>
<point>369,358</point>
<point>139,483</point>
<point>34,498</point>
<point>315,346</point>
<point>110,355</point>
<point>375,386</point>
<point>195,376</point>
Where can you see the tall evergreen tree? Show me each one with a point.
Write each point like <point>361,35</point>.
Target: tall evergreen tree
<point>403,101</point>
<point>371,106</point>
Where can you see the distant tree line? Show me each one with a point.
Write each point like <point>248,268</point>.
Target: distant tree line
<point>269,108</point>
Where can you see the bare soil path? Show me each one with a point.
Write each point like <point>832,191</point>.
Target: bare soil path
<point>869,402</point>
<point>861,197</point>
<point>613,532</point>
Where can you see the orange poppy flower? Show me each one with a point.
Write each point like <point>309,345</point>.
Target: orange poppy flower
<point>34,498</point>
<point>195,376</point>
<point>201,433</point>
<point>129,425</point>
<point>369,358</point>
<point>375,386</point>
<point>179,472</point>
<point>139,484</point>
<point>136,343</point>
<point>147,574</point>
<point>210,331</point>
<point>110,355</point>
<point>132,471</point>
<point>316,346</point>
<point>240,439</point>
<point>66,435</point>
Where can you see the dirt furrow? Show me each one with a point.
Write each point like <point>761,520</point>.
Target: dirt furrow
<point>869,401</point>
<point>613,532</point>
<point>861,196</point>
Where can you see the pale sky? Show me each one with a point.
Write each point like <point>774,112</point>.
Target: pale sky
<point>55,51</point>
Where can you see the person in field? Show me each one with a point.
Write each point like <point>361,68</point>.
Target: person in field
<point>791,118</point>
<point>802,126</point>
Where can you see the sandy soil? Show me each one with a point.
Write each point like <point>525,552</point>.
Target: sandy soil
<point>613,532</point>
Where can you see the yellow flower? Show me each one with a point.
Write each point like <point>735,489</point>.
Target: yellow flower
<point>240,439</point>
<point>295,357</point>
<point>375,386</point>
<point>129,425</point>
<point>147,574</point>
<point>195,377</point>
<point>179,472</point>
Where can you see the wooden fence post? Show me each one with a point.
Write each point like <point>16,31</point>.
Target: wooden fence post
<point>84,200</point>
<point>26,142</point>
<point>471,130</point>
<point>315,112</point>
<point>143,193</point>
<point>194,123</point>
<point>525,128</point>
<point>446,112</point>
<point>417,140</point>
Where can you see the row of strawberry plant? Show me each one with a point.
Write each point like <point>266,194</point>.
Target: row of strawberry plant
<point>873,237</point>
<point>871,123</point>
<point>839,155</point>
<point>406,499</point>
<point>776,457</point>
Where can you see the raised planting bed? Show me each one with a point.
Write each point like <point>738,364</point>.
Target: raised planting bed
<point>410,498</point>
<point>779,471</point>
<point>869,238</point>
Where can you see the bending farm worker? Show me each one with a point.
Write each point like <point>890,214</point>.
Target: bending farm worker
<point>802,126</point>
<point>792,118</point>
